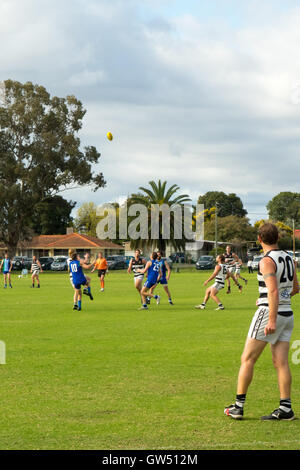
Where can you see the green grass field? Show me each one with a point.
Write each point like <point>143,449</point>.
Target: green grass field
<point>112,377</point>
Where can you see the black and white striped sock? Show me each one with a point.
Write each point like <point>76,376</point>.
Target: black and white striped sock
<point>285,404</point>
<point>240,400</point>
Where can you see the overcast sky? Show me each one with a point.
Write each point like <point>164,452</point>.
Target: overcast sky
<point>202,93</point>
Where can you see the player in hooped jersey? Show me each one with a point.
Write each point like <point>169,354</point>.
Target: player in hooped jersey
<point>237,273</point>
<point>76,266</point>
<point>135,265</point>
<point>272,323</point>
<point>154,273</point>
<point>220,274</point>
<point>7,266</point>
<point>231,259</point>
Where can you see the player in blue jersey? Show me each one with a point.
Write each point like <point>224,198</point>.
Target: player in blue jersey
<point>166,273</point>
<point>76,266</point>
<point>7,266</point>
<point>154,273</point>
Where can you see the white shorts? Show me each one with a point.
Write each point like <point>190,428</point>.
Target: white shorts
<point>36,272</point>
<point>138,278</point>
<point>231,269</point>
<point>284,327</point>
<point>218,286</point>
<point>237,270</point>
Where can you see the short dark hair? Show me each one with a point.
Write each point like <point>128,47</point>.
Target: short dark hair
<point>154,255</point>
<point>268,233</point>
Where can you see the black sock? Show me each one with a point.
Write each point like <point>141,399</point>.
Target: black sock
<point>240,400</point>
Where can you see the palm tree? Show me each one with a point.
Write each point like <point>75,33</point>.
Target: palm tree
<point>159,194</point>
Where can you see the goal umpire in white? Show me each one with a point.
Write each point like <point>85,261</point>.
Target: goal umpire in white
<point>272,323</point>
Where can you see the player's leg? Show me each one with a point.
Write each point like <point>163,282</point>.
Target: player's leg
<point>79,298</point>
<point>87,288</point>
<point>75,298</point>
<point>143,292</point>
<point>280,357</point>
<point>150,294</point>
<point>102,281</point>
<point>213,293</point>
<point>33,279</point>
<point>37,280</point>
<point>228,282</point>
<point>206,297</point>
<point>235,281</point>
<point>138,285</point>
<point>5,280</point>
<point>252,350</point>
<point>9,279</point>
<point>166,289</point>
<point>238,276</point>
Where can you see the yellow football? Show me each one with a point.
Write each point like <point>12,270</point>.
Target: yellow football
<point>109,136</point>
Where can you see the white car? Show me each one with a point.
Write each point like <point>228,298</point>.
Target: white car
<point>255,262</point>
<point>296,257</point>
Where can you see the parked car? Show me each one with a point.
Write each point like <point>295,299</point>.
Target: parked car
<point>46,262</point>
<point>252,252</point>
<point>205,262</point>
<point>21,262</point>
<point>296,257</point>
<point>116,262</point>
<point>255,262</point>
<point>178,257</point>
<point>59,264</point>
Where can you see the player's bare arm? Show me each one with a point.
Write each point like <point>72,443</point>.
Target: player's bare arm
<point>267,268</point>
<point>169,271</point>
<point>295,282</point>
<point>143,271</point>
<point>214,274</point>
<point>86,266</point>
<point>129,266</point>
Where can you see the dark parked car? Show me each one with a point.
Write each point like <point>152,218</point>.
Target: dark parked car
<point>178,257</point>
<point>46,262</point>
<point>205,262</point>
<point>21,262</point>
<point>116,262</point>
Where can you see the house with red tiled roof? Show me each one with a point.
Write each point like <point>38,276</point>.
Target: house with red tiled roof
<point>59,245</point>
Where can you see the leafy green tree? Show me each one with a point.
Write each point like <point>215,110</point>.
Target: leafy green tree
<point>52,216</point>
<point>285,241</point>
<point>159,194</point>
<point>86,219</point>
<point>285,207</point>
<point>40,154</point>
<point>227,204</point>
<point>230,229</point>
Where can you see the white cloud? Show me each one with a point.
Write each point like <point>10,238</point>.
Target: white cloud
<point>199,103</point>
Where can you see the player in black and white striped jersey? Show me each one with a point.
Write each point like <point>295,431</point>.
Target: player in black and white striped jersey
<point>135,265</point>
<point>231,259</point>
<point>237,273</point>
<point>36,268</point>
<point>220,273</point>
<point>272,323</point>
